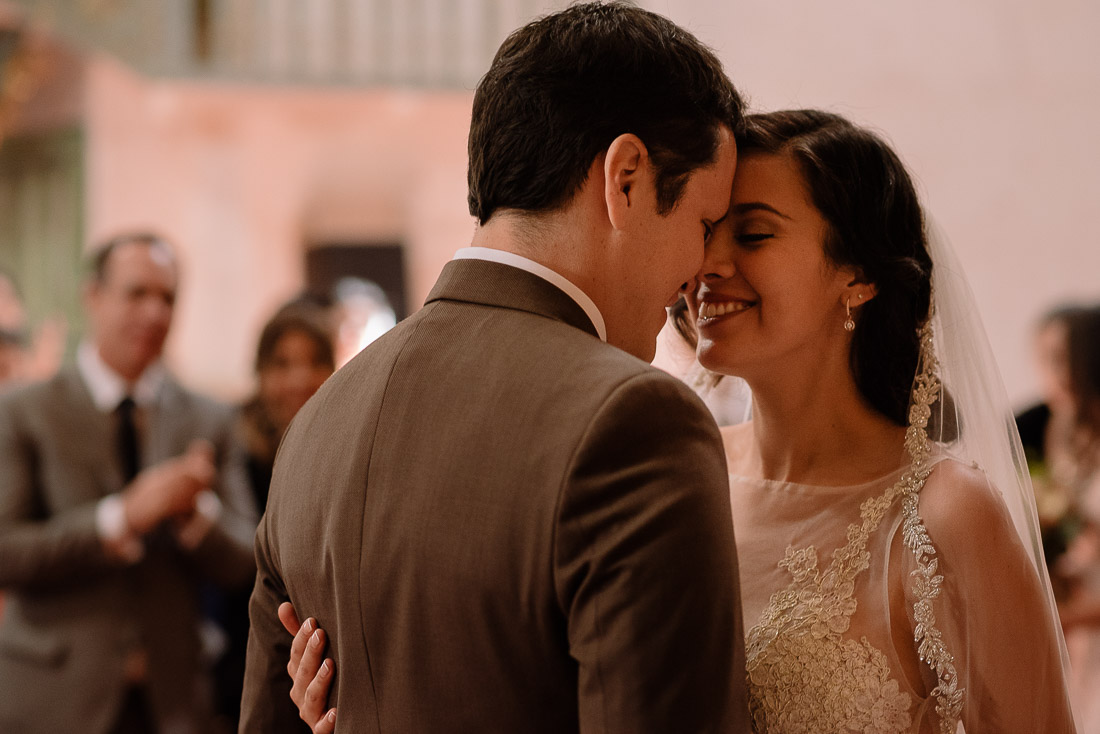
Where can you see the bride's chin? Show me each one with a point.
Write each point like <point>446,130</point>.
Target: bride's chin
<point>715,358</point>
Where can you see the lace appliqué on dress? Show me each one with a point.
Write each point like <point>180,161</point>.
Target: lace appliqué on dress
<point>804,676</point>
<point>926,583</point>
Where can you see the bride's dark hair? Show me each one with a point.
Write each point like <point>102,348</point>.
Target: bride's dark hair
<point>875,224</point>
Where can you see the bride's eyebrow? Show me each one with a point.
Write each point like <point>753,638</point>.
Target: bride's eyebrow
<point>751,206</point>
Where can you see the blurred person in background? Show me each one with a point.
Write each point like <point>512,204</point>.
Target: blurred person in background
<point>294,357</point>
<point>362,313</point>
<point>13,336</point>
<point>1045,431</point>
<point>24,358</point>
<point>1071,451</point>
<point>118,495</point>
<point>12,346</point>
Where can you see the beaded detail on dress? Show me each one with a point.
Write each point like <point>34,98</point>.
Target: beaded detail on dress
<point>804,674</point>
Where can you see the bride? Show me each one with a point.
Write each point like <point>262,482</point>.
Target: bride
<point>891,575</point>
<point>878,501</point>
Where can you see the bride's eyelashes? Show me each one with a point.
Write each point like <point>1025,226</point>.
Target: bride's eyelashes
<point>752,239</point>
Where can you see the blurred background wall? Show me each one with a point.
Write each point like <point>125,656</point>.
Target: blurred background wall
<point>278,141</point>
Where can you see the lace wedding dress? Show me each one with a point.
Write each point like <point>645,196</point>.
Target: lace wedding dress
<point>904,604</point>
<point>861,621</point>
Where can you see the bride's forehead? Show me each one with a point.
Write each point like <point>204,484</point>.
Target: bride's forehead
<point>766,181</point>
<point>769,175</point>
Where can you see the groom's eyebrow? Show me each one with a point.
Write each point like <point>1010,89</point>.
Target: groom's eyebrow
<point>751,206</point>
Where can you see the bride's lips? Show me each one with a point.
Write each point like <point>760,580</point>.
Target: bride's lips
<point>714,309</point>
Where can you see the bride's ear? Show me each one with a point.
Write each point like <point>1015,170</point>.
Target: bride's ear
<point>858,291</point>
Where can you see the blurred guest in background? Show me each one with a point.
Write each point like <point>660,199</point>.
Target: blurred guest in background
<point>24,358</point>
<point>1045,430</point>
<point>12,346</point>
<point>362,312</point>
<point>13,336</point>
<point>293,358</point>
<point>117,497</point>
<point>1063,442</point>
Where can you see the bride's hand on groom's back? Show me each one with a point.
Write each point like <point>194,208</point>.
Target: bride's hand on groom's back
<point>311,672</point>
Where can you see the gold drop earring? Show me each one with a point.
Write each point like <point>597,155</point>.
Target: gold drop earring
<point>849,325</point>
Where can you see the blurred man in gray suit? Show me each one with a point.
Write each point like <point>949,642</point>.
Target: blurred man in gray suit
<point>502,516</point>
<point>118,495</point>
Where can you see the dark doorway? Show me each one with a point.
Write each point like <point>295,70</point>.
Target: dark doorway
<point>380,262</point>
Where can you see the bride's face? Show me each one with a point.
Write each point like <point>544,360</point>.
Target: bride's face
<point>768,298</point>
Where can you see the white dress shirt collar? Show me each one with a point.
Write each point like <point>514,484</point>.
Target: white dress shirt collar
<point>108,388</point>
<point>555,279</point>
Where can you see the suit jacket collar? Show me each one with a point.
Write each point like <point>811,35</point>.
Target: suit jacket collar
<point>503,286</point>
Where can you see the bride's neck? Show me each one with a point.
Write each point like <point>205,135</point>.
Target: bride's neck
<point>820,430</point>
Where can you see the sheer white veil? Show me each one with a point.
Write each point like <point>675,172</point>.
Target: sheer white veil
<point>973,419</point>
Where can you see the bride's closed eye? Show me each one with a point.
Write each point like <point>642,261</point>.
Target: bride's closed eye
<point>752,239</point>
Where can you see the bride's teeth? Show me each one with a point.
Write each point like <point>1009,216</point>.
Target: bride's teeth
<point>713,310</point>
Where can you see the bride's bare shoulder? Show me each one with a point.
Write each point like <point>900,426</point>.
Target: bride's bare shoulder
<point>958,499</point>
<point>737,440</point>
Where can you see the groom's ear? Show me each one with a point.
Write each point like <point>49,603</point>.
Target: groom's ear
<point>626,174</point>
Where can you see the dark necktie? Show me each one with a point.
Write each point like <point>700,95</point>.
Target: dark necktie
<point>129,451</point>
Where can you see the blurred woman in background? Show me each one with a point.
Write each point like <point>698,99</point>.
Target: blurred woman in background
<point>1071,449</point>
<point>1044,428</point>
<point>294,357</point>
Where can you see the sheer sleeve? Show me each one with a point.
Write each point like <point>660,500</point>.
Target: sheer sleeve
<point>992,612</point>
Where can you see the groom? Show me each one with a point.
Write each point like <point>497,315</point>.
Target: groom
<point>502,516</point>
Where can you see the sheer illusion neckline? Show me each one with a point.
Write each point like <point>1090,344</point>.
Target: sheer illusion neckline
<point>780,484</point>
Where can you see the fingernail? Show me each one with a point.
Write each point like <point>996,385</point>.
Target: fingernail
<point>325,669</point>
<point>331,716</point>
<point>315,639</point>
<point>311,624</point>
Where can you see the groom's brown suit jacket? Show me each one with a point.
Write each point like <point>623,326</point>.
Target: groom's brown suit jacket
<point>504,525</point>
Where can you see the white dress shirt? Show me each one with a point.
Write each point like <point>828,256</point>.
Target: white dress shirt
<point>556,279</point>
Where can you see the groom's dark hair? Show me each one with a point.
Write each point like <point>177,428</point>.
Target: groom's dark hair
<point>561,88</point>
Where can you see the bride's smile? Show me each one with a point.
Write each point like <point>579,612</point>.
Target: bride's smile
<point>712,310</point>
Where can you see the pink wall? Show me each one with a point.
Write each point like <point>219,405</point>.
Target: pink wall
<point>244,178</point>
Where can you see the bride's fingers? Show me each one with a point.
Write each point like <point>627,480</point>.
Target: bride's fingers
<point>327,725</point>
<point>289,617</point>
<point>308,667</point>
<point>299,645</point>
<point>312,709</point>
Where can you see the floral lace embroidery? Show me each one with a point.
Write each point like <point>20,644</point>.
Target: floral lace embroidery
<point>926,583</point>
<point>804,676</point>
